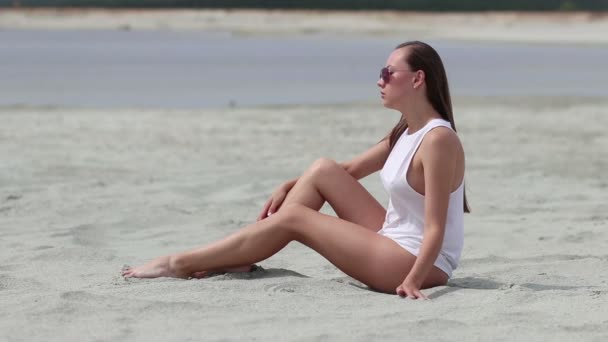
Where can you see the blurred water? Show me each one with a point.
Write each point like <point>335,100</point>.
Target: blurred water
<point>193,69</point>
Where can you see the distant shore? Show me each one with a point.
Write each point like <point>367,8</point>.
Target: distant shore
<point>552,27</point>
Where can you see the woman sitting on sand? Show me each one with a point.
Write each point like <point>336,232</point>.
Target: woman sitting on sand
<point>414,244</point>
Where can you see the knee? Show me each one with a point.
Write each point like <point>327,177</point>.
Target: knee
<point>323,166</point>
<point>290,216</point>
<point>296,219</point>
<point>291,212</point>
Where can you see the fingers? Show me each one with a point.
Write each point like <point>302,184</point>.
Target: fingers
<point>405,292</point>
<point>273,204</point>
<point>274,207</point>
<point>271,209</point>
<point>420,295</point>
<point>264,212</point>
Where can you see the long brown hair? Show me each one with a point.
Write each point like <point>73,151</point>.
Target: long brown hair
<point>423,57</point>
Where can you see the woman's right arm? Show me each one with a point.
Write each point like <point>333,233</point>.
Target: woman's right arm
<point>369,161</point>
<point>359,167</point>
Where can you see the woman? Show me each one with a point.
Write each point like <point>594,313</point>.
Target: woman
<point>414,244</point>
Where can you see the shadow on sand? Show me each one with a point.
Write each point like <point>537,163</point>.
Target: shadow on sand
<point>257,273</point>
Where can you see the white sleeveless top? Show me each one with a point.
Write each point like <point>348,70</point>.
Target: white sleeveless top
<point>404,221</point>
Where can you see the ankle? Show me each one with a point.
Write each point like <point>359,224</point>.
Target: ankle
<point>178,264</point>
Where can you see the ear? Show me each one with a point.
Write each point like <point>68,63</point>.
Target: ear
<point>419,78</point>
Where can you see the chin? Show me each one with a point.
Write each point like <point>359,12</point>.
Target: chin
<point>386,104</point>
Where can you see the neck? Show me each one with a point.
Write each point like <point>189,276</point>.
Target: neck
<point>418,113</point>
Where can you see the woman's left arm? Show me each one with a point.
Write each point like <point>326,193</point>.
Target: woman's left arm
<point>438,153</point>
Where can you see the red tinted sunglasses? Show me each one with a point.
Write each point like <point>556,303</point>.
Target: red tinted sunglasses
<point>385,74</point>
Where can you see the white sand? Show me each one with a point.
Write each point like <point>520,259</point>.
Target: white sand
<point>83,192</point>
<point>577,27</point>
<point>86,191</point>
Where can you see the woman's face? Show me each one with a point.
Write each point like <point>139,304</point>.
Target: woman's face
<point>396,80</point>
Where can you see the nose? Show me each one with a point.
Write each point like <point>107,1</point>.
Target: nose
<point>380,83</point>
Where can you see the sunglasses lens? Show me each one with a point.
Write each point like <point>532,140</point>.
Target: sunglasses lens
<point>385,75</point>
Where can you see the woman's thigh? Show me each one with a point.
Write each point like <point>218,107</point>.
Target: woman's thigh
<point>349,199</point>
<point>373,259</point>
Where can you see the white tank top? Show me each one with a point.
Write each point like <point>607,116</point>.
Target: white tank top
<point>404,221</point>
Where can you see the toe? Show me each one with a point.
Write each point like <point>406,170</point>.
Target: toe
<point>199,275</point>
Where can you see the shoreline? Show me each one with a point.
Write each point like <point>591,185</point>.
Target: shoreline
<point>545,102</point>
<point>524,27</point>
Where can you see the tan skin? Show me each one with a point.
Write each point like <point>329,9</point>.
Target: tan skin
<point>349,241</point>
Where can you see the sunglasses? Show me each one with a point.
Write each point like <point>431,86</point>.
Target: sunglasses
<point>385,74</point>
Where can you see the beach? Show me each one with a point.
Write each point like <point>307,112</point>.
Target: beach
<point>542,27</point>
<point>86,191</point>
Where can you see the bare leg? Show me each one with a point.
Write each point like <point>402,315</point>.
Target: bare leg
<point>368,257</point>
<point>324,181</point>
<point>327,181</point>
<point>159,267</point>
<point>238,269</point>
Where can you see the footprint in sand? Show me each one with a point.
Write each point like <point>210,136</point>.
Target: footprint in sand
<point>86,235</point>
<point>24,284</point>
<point>580,237</point>
<point>274,288</point>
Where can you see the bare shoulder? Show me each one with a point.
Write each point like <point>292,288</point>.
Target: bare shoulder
<point>442,140</point>
<point>443,158</point>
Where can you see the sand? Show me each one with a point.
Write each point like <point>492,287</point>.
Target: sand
<point>85,191</point>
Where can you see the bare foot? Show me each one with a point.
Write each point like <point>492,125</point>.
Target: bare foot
<point>239,269</point>
<point>159,267</point>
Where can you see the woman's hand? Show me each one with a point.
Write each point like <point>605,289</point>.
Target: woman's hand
<point>274,202</point>
<point>410,290</point>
